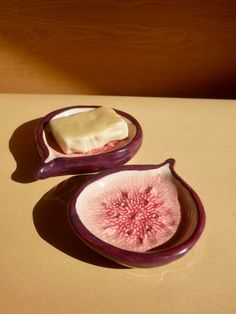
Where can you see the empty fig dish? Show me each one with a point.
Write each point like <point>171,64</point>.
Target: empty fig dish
<point>138,215</point>
<point>85,139</point>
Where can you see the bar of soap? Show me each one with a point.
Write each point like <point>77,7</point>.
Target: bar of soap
<point>85,131</point>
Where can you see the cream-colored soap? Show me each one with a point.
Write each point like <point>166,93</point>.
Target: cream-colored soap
<point>85,131</point>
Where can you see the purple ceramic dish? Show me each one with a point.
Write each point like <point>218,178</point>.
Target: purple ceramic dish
<point>55,162</point>
<point>130,215</point>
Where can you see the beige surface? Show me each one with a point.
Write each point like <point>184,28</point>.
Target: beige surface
<point>44,268</point>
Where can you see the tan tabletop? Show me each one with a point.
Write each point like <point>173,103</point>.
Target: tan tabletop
<point>46,269</point>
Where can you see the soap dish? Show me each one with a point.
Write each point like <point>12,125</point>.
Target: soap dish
<point>54,162</point>
<point>138,215</point>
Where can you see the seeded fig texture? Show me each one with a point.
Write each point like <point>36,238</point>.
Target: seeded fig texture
<point>136,212</point>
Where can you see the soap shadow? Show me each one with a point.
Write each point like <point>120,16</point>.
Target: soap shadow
<point>51,222</point>
<point>23,148</point>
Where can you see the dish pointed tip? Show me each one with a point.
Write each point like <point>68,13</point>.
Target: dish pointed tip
<point>170,161</point>
<point>42,172</point>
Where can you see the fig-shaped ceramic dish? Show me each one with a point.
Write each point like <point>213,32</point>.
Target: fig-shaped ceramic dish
<point>55,162</point>
<point>138,215</point>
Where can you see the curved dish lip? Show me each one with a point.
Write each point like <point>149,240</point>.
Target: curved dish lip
<point>122,152</point>
<point>137,259</point>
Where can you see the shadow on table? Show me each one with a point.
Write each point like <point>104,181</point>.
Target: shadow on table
<point>51,223</point>
<point>23,148</point>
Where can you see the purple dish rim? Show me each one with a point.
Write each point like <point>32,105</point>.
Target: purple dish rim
<point>136,259</point>
<point>84,164</point>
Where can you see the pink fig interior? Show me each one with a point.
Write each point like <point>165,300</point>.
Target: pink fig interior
<point>139,211</point>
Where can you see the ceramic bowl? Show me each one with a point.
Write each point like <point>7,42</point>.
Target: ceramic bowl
<point>55,162</point>
<point>88,219</point>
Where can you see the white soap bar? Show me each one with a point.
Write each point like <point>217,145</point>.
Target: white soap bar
<point>85,131</point>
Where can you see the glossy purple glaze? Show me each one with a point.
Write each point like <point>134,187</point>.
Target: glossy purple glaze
<point>84,164</point>
<point>157,257</point>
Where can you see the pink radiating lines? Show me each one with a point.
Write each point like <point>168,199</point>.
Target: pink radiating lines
<point>137,214</point>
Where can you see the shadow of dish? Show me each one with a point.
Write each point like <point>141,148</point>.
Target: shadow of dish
<point>51,223</point>
<point>23,148</point>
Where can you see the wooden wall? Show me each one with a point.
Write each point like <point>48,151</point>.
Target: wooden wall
<point>155,48</point>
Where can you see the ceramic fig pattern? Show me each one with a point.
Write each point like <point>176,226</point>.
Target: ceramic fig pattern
<point>136,214</point>
<point>127,212</point>
<point>55,163</point>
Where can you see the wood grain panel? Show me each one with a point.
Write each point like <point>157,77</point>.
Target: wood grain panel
<point>155,48</point>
